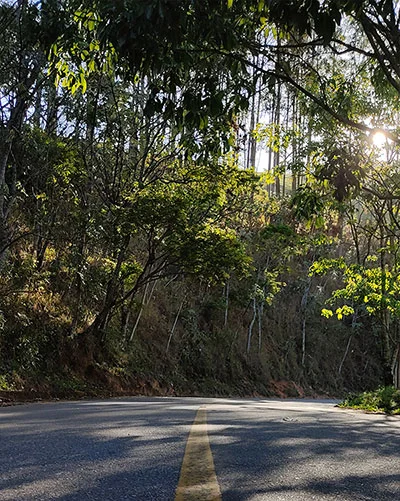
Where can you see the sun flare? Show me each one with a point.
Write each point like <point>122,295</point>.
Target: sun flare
<point>378,138</point>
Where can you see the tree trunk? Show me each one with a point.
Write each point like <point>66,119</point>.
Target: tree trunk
<point>226,304</point>
<point>386,352</point>
<point>174,326</point>
<point>112,294</point>
<point>303,308</point>
<point>250,331</point>
<point>52,109</point>
<point>277,123</point>
<point>260,316</point>
<point>139,314</point>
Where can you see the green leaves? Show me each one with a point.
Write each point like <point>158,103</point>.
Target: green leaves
<point>325,25</point>
<point>344,311</point>
<point>326,313</point>
<point>212,253</point>
<point>384,399</point>
<point>182,216</point>
<point>274,135</point>
<point>325,265</point>
<point>307,203</point>
<point>342,168</point>
<point>373,289</point>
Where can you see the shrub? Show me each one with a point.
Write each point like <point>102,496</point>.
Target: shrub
<point>385,399</point>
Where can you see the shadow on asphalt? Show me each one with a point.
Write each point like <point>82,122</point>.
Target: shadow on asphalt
<point>296,455</point>
<point>132,449</point>
<point>75,451</point>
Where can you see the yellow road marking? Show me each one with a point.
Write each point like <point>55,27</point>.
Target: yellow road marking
<point>198,481</point>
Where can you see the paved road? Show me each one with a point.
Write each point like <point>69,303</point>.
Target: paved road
<point>132,449</point>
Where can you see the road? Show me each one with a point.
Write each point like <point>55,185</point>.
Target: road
<point>134,449</point>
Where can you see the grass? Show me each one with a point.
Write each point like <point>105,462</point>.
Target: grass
<point>385,399</point>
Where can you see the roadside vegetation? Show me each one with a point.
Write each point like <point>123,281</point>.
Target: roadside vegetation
<point>385,399</point>
<point>199,197</point>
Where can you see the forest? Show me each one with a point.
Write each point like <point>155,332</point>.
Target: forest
<point>199,197</point>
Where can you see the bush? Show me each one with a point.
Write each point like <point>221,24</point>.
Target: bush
<point>385,399</point>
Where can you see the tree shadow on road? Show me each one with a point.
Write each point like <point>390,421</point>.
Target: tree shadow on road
<point>296,455</point>
<point>78,451</point>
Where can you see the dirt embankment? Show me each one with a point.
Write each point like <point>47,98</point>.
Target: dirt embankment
<point>102,384</point>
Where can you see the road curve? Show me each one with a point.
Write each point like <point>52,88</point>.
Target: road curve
<point>134,449</point>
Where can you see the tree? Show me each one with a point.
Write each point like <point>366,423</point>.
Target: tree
<point>223,38</point>
<point>27,33</point>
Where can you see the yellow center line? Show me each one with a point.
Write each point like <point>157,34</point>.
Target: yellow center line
<point>198,481</point>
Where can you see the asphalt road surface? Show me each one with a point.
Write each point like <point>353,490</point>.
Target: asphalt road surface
<point>134,449</point>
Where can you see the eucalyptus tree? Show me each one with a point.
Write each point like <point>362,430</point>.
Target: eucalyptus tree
<point>28,30</point>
